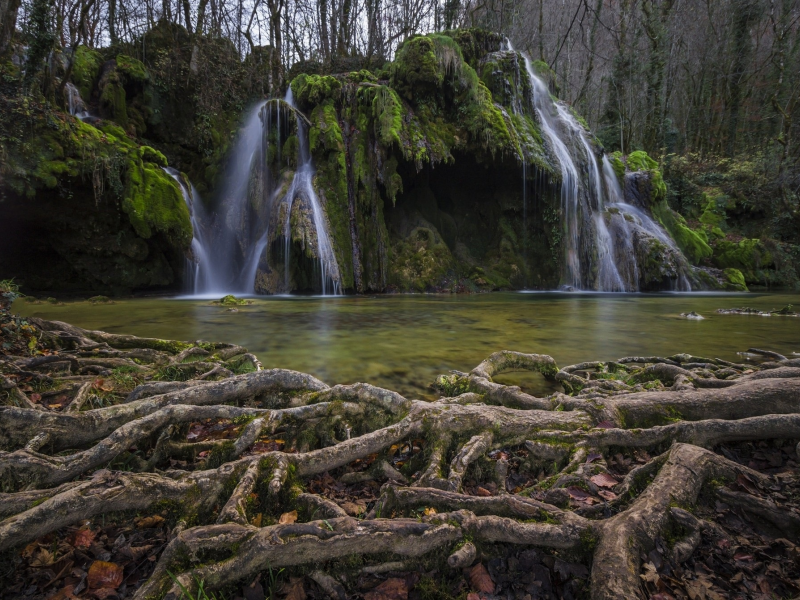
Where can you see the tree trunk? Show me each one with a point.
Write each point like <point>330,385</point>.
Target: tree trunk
<point>8,22</point>
<point>323,29</point>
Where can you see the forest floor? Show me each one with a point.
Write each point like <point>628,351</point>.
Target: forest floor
<point>145,468</point>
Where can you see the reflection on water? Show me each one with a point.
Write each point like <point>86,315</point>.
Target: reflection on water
<point>403,342</point>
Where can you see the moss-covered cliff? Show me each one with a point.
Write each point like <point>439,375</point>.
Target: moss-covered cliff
<point>433,171</point>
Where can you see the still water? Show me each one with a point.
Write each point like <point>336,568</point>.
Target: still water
<point>403,342</point>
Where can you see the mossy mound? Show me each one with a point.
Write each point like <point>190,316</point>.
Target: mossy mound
<point>231,300</point>
<point>735,280</point>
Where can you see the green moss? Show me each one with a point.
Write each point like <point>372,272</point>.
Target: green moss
<point>693,244</point>
<point>420,261</point>
<point>231,300</point>
<point>618,165</point>
<point>85,70</point>
<point>748,256</point>
<point>735,280</point>
<point>153,200</point>
<point>113,102</point>
<point>388,114</point>
<point>310,90</point>
<point>641,161</point>
<point>415,69</point>
<point>131,68</point>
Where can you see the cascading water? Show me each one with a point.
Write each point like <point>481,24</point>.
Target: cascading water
<point>198,265</point>
<point>235,241</point>
<point>75,104</point>
<point>599,227</point>
<point>302,186</point>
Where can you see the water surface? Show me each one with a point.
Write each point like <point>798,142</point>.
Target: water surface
<point>403,342</point>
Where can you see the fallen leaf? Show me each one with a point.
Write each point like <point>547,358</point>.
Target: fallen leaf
<point>650,574</point>
<point>104,575</point>
<point>82,538</point>
<point>479,491</point>
<point>473,596</point>
<point>254,591</point>
<point>44,558</point>
<point>352,509</point>
<point>607,495</point>
<point>148,522</point>
<point>64,593</point>
<point>257,520</point>
<point>288,518</point>
<point>580,495</point>
<point>391,589</point>
<point>295,589</point>
<point>429,511</point>
<point>605,425</point>
<point>480,580</point>
<point>103,593</point>
<point>35,398</point>
<point>603,480</point>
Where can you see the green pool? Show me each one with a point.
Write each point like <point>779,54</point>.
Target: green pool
<point>402,342</point>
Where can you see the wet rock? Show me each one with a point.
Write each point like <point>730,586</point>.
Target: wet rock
<point>693,316</point>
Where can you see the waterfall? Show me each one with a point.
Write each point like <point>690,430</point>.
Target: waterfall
<point>199,276</point>
<point>233,243</point>
<point>600,230</point>
<point>75,104</point>
<point>302,187</point>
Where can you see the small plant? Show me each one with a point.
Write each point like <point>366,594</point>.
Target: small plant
<point>9,290</point>
<point>272,587</point>
<point>201,593</point>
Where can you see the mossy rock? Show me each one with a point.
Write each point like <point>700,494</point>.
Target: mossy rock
<point>231,300</point>
<point>310,90</point>
<point>734,280</point>
<point>419,262</point>
<point>133,69</point>
<point>415,69</point>
<point>748,256</point>
<point>153,200</point>
<point>641,161</point>
<point>85,70</point>
<point>693,244</point>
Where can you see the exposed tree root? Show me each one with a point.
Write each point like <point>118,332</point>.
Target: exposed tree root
<point>246,463</point>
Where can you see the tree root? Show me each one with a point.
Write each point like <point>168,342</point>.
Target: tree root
<point>486,465</point>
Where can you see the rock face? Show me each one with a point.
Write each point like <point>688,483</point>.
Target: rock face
<point>433,173</point>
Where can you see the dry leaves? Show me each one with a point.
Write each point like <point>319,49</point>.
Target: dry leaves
<point>391,589</point>
<point>104,575</point>
<point>295,589</point>
<point>148,522</point>
<point>288,518</point>
<point>82,538</point>
<point>480,580</point>
<point>603,480</point>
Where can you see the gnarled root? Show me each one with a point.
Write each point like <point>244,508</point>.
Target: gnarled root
<point>602,470</point>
